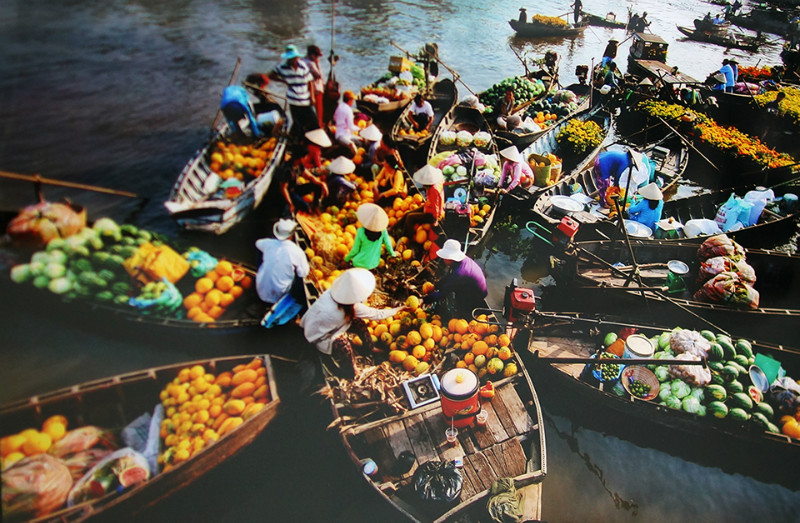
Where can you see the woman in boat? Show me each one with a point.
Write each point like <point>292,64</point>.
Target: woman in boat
<point>286,176</point>
<point>503,107</point>
<point>610,52</point>
<point>431,179</point>
<point>609,166</point>
<point>421,114</point>
<point>371,237</point>
<point>372,138</point>
<point>513,169</point>
<point>283,265</point>
<point>339,188</point>
<point>464,280</point>
<point>316,141</point>
<point>327,321</point>
<point>389,183</point>
<point>646,207</point>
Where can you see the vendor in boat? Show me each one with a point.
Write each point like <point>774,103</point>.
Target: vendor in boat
<point>343,118</point>
<point>514,169</point>
<point>299,90</point>
<point>726,81</point>
<point>514,124</point>
<point>647,205</point>
<point>371,237</point>
<point>337,310</point>
<point>431,180</point>
<point>339,188</point>
<point>389,183</point>
<point>313,55</point>
<point>610,166</point>
<point>371,138</point>
<point>421,114</point>
<point>610,79</point>
<point>735,66</point>
<point>523,16</point>
<point>283,265</point>
<point>610,52</point>
<point>464,280</point>
<point>286,175</point>
<point>316,141</point>
<point>235,106</point>
<point>577,11</point>
<point>503,107</point>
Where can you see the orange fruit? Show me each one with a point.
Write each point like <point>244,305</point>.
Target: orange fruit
<point>479,347</point>
<point>410,363</point>
<point>11,444</point>
<point>204,285</point>
<point>194,311</point>
<point>246,282</point>
<point>216,311</point>
<point>225,283</point>
<point>469,358</point>
<point>212,299</point>
<point>212,275</point>
<point>226,299</point>
<point>418,351</point>
<point>192,300</point>
<point>503,340</point>
<point>37,443</point>
<point>236,291</point>
<point>462,326</point>
<point>55,428</point>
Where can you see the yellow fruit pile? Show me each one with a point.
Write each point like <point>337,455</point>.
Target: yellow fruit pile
<point>31,442</point>
<point>549,20</point>
<point>480,348</point>
<point>413,339</point>
<point>215,291</point>
<point>230,160</point>
<point>478,214</point>
<point>201,407</point>
<point>411,132</point>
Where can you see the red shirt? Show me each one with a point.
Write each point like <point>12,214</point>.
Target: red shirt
<point>434,202</point>
<point>312,160</point>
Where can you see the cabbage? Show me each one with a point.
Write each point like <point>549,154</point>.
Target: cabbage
<point>662,373</point>
<point>698,392</point>
<point>41,281</point>
<point>664,392</point>
<point>54,270</point>
<point>680,389</point>
<point>463,138</point>
<point>447,138</point>
<point>21,273</point>
<point>58,256</point>
<point>673,402</point>
<point>690,404</point>
<point>482,139</point>
<point>41,257</point>
<point>59,285</point>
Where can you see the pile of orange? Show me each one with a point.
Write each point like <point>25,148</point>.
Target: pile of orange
<point>215,291</point>
<point>230,160</point>
<point>31,442</point>
<point>481,349</point>
<point>200,407</point>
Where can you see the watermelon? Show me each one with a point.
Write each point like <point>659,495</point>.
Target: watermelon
<point>716,365</point>
<point>717,379</point>
<point>734,386</point>
<point>771,427</point>
<point>741,400</point>
<point>716,353</point>
<point>759,419</point>
<point>133,475</point>
<point>717,409</point>
<point>729,372</point>
<point>741,360</point>
<point>741,370</point>
<point>745,348</point>
<point>765,409</point>
<point>727,347</point>
<point>707,334</point>
<point>738,414</point>
<point>715,393</point>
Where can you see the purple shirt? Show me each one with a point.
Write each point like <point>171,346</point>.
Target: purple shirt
<point>466,276</point>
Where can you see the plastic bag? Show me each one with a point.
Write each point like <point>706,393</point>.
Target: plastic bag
<point>727,287</point>
<point>438,481</point>
<point>718,264</point>
<point>35,486</point>
<point>690,342</point>
<point>696,375</point>
<point>504,503</point>
<point>700,227</point>
<point>151,263</point>
<point>80,439</point>
<point>784,393</point>
<point>720,245</point>
<point>734,210</point>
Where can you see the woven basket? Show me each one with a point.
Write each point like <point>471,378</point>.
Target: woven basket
<point>644,375</point>
<point>541,175</point>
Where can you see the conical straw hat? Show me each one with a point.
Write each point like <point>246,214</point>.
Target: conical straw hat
<point>319,137</point>
<point>371,133</point>
<point>511,153</point>
<point>353,286</point>
<point>342,165</point>
<point>372,217</point>
<point>651,191</point>
<point>428,175</point>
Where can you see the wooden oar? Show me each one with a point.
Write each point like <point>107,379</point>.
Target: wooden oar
<point>35,178</point>
<point>689,143</point>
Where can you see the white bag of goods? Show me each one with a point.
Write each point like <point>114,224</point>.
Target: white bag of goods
<point>689,341</point>
<point>700,227</point>
<point>732,211</point>
<point>759,197</point>
<point>696,375</point>
<point>463,138</point>
<point>482,139</point>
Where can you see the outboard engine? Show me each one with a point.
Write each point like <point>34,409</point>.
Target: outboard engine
<point>518,302</point>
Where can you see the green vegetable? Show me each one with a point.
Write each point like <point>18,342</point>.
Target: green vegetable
<point>663,340</point>
<point>21,273</point>
<point>738,414</point>
<point>690,404</point>
<point>107,227</point>
<point>717,409</point>
<point>680,389</point>
<point>745,348</point>
<point>741,400</point>
<point>610,338</point>
<point>729,372</point>
<point>716,366</point>
<point>715,393</point>
<point>58,256</point>
<point>665,391</point>
<point>106,274</point>
<point>59,285</point>
<point>82,265</point>
<point>741,360</point>
<point>673,402</point>
<point>717,379</point>
<point>759,419</point>
<point>662,373</point>
<point>771,427</point>
<point>40,257</point>
<point>56,243</point>
<point>130,230</point>
<point>727,346</point>
<point>104,296</point>
<point>55,270</point>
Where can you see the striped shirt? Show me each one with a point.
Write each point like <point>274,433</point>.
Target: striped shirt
<point>297,82</point>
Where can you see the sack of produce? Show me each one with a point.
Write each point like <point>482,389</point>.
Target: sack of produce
<point>689,342</point>
<point>438,481</point>
<point>463,138</point>
<point>151,263</point>
<point>727,287</point>
<point>34,487</point>
<point>696,375</point>
<point>36,225</point>
<point>482,139</point>
<point>720,245</point>
<point>80,439</point>
<point>541,167</point>
<point>713,266</point>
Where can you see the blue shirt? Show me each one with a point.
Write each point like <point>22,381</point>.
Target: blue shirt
<point>727,70</point>
<point>611,163</point>
<point>235,98</point>
<point>641,212</point>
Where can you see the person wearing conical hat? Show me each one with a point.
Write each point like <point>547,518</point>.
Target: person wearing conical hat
<point>286,177</point>
<point>647,209</point>
<point>371,237</point>
<point>283,264</point>
<point>316,140</point>
<point>514,169</point>
<point>432,211</point>
<point>339,187</point>
<point>463,282</point>
<point>327,321</point>
<point>371,138</point>
<point>299,81</point>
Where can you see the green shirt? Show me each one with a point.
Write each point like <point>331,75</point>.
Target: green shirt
<point>367,254</point>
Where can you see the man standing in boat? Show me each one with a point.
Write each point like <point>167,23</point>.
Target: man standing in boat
<point>577,11</point>
<point>299,90</point>
<point>313,54</point>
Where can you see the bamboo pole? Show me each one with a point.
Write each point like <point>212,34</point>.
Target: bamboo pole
<point>38,179</point>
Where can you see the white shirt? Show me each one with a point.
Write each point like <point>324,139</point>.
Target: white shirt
<point>325,320</point>
<point>426,108</point>
<point>343,119</point>
<point>282,259</point>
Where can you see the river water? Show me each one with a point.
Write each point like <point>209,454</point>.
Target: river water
<point>121,93</point>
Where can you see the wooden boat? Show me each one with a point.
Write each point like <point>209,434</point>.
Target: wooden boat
<point>547,143</point>
<point>596,282</point>
<point>442,98</point>
<point>117,401</point>
<point>603,21</point>
<point>86,304</point>
<point>647,59</point>
<point>511,445</point>
<point>735,446</point>
<point>723,38</point>
<point>457,224</point>
<point>769,19</point>
<point>198,200</point>
<point>534,29</point>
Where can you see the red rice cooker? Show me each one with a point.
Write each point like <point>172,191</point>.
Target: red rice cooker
<point>459,396</point>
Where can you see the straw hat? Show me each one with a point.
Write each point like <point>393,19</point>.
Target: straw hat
<point>451,251</point>
<point>371,133</point>
<point>372,217</point>
<point>353,286</point>
<point>342,165</point>
<point>428,175</point>
<point>319,137</point>
<point>646,81</point>
<point>614,40</point>
<point>291,52</point>
<point>283,229</point>
<point>651,192</point>
<point>511,153</point>
<point>636,157</point>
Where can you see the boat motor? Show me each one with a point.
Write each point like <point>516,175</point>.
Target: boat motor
<point>518,302</point>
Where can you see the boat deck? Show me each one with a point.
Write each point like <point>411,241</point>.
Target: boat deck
<point>488,453</point>
<point>560,347</point>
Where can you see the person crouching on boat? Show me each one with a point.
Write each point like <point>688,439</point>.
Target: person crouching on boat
<point>421,114</point>
<point>647,205</point>
<point>235,106</point>
<point>371,237</point>
<point>514,169</point>
<point>503,107</point>
<point>286,176</point>
<point>339,187</point>
<point>725,77</point>
<point>337,311</point>
<point>609,166</point>
<point>464,281</point>
<point>316,141</point>
<point>372,138</point>
<point>283,265</point>
<point>343,119</point>
<point>389,183</point>
<point>431,180</point>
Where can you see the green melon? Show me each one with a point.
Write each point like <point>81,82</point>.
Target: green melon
<point>765,409</point>
<point>717,409</point>
<point>741,400</point>
<point>734,386</point>
<point>707,334</point>
<point>716,353</point>
<point>738,414</point>
<point>715,393</point>
<point>745,348</point>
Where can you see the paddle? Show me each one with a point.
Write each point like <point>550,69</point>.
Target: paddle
<point>216,121</point>
<point>689,143</point>
<point>37,179</point>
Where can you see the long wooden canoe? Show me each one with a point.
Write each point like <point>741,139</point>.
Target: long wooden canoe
<point>197,202</point>
<point>723,38</point>
<point>597,283</point>
<point>533,29</point>
<point>735,446</point>
<point>442,98</point>
<point>115,402</point>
